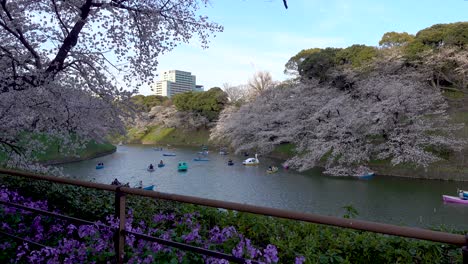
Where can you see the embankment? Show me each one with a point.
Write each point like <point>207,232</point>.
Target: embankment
<point>158,135</point>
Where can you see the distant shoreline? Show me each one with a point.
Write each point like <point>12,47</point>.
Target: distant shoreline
<point>78,159</point>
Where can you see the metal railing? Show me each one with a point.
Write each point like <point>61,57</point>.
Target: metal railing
<point>120,205</point>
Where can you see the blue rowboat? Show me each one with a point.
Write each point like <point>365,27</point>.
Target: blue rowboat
<point>161,165</point>
<point>98,167</point>
<point>367,176</point>
<point>169,154</point>
<point>149,188</point>
<point>182,166</point>
<point>200,159</point>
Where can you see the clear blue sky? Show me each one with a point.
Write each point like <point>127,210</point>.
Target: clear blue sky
<point>263,35</point>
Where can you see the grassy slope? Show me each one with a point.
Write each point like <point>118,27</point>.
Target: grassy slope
<point>53,154</point>
<point>91,150</point>
<point>160,135</point>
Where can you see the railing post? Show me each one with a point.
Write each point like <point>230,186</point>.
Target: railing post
<point>119,236</point>
<point>465,250</point>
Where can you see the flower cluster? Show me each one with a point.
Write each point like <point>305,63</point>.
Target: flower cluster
<point>70,243</point>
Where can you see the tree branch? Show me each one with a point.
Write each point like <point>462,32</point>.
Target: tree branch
<point>19,35</point>
<point>70,41</point>
<point>54,2</point>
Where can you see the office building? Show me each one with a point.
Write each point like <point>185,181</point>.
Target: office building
<point>174,82</point>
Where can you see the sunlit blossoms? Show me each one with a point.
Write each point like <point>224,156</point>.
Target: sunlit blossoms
<point>392,117</point>
<point>63,65</point>
<point>70,243</point>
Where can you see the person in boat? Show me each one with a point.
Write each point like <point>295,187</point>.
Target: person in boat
<point>151,167</point>
<point>270,168</point>
<point>462,195</point>
<point>116,182</point>
<point>161,162</point>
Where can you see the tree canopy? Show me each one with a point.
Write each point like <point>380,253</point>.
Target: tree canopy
<point>208,104</point>
<point>455,34</point>
<point>145,103</point>
<point>395,39</point>
<point>292,66</point>
<point>356,55</point>
<point>59,61</point>
<point>317,64</point>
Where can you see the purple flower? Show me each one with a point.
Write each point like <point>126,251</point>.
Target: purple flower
<point>299,260</point>
<point>238,251</point>
<point>5,245</point>
<point>71,228</point>
<point>229,231</point>
<point>192,236</point>
<point>251,250</point>
<point>270,253</point>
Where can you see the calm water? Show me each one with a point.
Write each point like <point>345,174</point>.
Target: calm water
<point>383,199</point>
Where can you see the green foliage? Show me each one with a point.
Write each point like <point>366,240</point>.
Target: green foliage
<point>323,244</point>
<point>156,134</point>
<point>433,36</point>
<point>145,103</point>
<point>318,63</point>
<point>439,151</point>
<point>208,104</point>
<point>286,150</point>
<point>292,66</point>
<point>455,34</point>
<point>317,243</point>
<point>415,50</point>
<point>55,152</point>
<point>436,36</point>
<point>453,93</point>
<point>395,39</point>
<point>351,212</point>
<point>356,55</point>
<point>164,135</point>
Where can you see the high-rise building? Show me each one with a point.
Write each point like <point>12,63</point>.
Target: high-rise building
<point>174,82</point>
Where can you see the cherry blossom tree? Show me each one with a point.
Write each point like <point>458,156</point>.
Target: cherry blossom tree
<point>392,117</point>
<point>450,65</point>
<point>63,64</point>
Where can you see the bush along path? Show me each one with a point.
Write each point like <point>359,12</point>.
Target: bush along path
<point>68,243</point>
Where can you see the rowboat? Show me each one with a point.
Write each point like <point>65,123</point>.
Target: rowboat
<point>161,165</point>
<point>223,151</point>
<point>200,159</point>
<point>98,167</point>
<point>272,170</point>
<point>150,170</point>
<point>149,188</point>
<point>366,176</point>
<point>182,166</point>
<point>230,163</point>
<point>453,199</point>
<point>169,154</point>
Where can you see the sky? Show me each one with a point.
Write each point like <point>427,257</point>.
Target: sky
<point>263,35</point>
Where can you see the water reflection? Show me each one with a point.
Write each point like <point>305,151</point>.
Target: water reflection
<point>384,199</point>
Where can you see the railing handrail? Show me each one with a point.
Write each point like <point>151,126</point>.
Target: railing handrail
<point>410,232</point>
